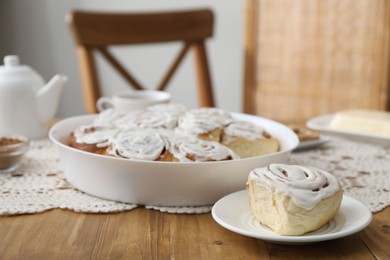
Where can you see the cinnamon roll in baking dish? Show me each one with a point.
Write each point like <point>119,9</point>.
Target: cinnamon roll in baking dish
<point>94,139</point>
<point>147,119</point>
<point>204,123</point>
<point>139,144</point>
<point>247,139</point>
<point>108,118</point>
<point>198,150</point>
<point>293,200</point>
<point>171,109</point>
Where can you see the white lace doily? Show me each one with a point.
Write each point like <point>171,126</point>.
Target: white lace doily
<point>362,168</point>
<point>39,185</point>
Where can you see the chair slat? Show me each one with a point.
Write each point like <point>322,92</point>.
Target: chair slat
<point>126,74</point>
<point>139,28</point>
<point>174,67</point>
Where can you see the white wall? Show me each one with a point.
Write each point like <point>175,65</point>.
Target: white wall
<point>35,30</point>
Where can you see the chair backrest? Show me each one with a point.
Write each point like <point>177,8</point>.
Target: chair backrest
<point>309,57</point>
<point>96,31</point>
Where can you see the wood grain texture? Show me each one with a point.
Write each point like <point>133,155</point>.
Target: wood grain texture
<point>203,75</point>
<point>90,83</point>
<point>250,55</point>
<point>149,234</point>
<point>100,28</point>
<point>317,57</point>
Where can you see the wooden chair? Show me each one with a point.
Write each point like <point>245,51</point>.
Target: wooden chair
<point>309,57</point>
<point>94,31</point>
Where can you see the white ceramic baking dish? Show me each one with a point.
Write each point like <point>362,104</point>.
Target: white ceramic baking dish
<point>162,183</point>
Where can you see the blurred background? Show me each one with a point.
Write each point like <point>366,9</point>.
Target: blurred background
<point>287,60</point>
<point>36,31</point>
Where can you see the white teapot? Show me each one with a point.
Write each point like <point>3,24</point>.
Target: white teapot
<point>27,105</point>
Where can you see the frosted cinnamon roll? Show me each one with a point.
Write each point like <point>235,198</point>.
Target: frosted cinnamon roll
<point>248,139</point>
<point>292,199</point>
<point>139,145</point>
<point>197,150</point>
<point>204,123</point>
<point>147,119</point>
<point>94,139</point>
<point>172,109</point>
<point>108,118</point>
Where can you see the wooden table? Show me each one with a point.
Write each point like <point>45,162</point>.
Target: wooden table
<point>149,234</point>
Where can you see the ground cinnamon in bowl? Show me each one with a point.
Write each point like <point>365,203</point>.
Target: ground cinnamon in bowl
<point>12,150</point>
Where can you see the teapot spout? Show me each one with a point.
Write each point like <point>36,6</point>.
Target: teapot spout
<point>47,98</point>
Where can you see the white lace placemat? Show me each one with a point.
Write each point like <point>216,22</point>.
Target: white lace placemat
<point>39,184</point>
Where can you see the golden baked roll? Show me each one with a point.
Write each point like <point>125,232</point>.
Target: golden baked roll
<point>204,123</point>
<point>293,200</point>
<point>248,140</point>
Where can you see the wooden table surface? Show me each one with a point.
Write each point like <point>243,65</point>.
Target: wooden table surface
<point>150,234</point>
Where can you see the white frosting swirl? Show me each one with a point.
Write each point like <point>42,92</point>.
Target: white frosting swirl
<point>243,129</point>
<point>173,109</point>
<point>147,119</point>
<point>101,136</point>
<point>192,149</point>
<point>108,117</point>
<point>138,144</point>
<point>307,186</point>
<point>203,120</point>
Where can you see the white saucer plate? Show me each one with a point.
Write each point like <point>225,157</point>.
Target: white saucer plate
<point>322,124</point>
<point>233,212</point>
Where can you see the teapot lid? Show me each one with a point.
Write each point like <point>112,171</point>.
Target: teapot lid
<point>12,65</point>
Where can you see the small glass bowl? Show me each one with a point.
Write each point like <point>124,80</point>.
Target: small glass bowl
<point>12,150</point>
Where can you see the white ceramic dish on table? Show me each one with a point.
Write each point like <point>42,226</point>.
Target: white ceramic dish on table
<point>322,124</point>
<point>162,183</point>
